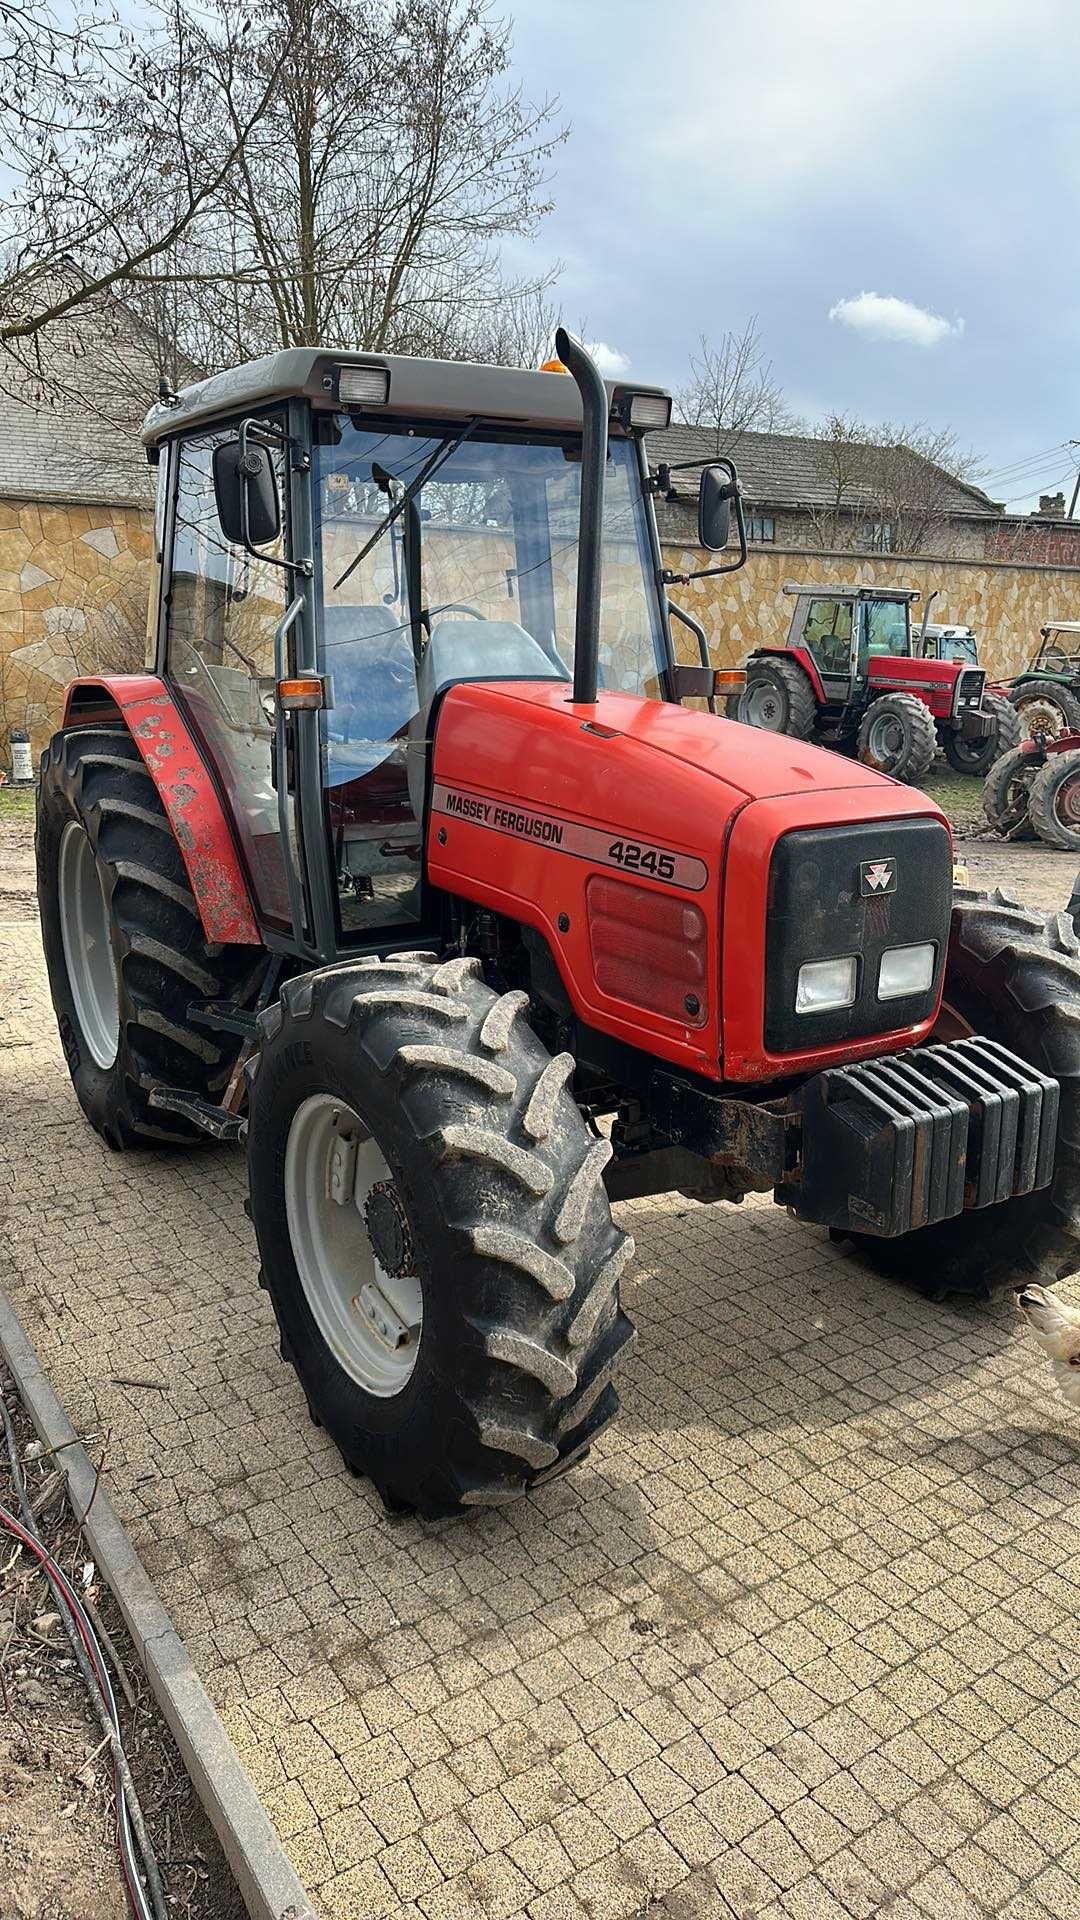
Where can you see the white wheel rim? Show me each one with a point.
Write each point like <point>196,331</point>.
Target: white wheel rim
<point>764,707</point>
<point>370,1319</point>
<point>88,954</point>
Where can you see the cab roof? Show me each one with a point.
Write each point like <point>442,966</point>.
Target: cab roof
<point>428,389</point>
<point>824,590</point>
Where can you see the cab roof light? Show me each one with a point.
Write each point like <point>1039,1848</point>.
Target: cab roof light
<point>649,411</point>
<point>364,386</point>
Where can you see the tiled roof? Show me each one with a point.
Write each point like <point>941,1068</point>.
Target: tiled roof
<point>792,470</point>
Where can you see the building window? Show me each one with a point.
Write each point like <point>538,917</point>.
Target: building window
<point>760,528</point>
<point>875,536</point>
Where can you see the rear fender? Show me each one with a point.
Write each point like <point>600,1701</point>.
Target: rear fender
<point>187,793</point>
<point>805,659</point>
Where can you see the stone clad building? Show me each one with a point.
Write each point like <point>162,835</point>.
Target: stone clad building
<point>76,511</point>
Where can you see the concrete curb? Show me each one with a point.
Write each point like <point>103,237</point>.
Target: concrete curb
<point>267,1882</point>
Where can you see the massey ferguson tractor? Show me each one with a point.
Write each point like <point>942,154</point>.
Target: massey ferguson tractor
<point>406,865</point>
<point>851,677</point>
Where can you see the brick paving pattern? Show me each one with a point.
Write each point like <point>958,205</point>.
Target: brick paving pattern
<point>799,1640</point>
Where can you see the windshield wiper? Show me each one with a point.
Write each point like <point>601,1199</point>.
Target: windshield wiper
<point>431,466</point>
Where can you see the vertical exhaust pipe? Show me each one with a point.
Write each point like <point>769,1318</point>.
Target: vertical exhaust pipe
<point>594,432</point>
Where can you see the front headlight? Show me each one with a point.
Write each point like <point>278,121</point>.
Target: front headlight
<point>906,970</point>
<point>824,986</point>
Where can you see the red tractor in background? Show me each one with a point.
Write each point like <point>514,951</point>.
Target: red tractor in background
<point>850,677</point>
<point>369,873</point>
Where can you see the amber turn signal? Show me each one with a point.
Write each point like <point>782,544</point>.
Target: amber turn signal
<point>306,692</point>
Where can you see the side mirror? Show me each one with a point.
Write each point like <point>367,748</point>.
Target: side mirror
<point>718,488</point>
<point>245,488</point>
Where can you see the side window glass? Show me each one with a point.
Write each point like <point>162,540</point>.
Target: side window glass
<point>223,608</point>
<point>827,634</point>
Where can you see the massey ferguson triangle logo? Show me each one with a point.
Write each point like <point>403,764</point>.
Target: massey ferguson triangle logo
<point>878,876</point>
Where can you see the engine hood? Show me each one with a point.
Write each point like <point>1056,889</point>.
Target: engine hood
<point>750,764</point>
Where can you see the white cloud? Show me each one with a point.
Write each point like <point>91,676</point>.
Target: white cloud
<point>882,316</point>
<point>611,362</point>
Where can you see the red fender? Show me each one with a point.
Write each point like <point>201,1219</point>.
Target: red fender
<point>805,659</point>
<point>185,790</point>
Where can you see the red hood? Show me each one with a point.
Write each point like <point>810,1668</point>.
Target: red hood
<point>750,762</point>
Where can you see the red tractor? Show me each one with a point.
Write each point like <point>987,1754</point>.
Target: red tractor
<point>369,872</point>
<point>850,677</point>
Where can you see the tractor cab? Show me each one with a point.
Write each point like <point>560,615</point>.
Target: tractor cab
<point>844,631</point>
<point>346,538</point>
<point>957,644</point>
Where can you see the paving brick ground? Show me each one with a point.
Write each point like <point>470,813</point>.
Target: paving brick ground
<point>800,1639</point>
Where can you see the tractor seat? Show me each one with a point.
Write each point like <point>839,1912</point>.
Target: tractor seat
<point>470,650</point>
<point>369,659</point>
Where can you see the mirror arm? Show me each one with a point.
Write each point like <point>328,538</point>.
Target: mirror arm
<point>257,429</point>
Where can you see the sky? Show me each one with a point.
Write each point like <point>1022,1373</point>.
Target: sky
<point>891,189</point>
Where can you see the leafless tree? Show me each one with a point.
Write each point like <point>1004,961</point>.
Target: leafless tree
<point>368,205</point>
<point>887,487</point>
<point>107,160</point>
<point>733,390</point>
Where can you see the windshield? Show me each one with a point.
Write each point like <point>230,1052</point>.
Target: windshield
<point>887,627</point>
<point>960,647</point>
<point>471,576</point>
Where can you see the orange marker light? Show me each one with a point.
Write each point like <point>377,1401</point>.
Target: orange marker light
<point>553,366</point>
<point>301,693</point>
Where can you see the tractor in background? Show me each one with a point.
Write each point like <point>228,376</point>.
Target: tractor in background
<point>1033,791</point>
<point>370,874</point>
<point>851,677</point>
<point>1047,694</point>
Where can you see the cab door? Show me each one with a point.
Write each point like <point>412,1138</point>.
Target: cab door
<point>223,606</point>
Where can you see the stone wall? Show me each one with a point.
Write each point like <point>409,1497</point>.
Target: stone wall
<point>1006,605</point>
<point>74,584</point>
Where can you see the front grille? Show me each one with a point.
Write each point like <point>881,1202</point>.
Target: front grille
<point>970,687</point>
<point>817,910</point>
<point>899,1143</point>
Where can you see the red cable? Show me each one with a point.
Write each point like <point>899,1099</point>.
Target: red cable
<point>53,1568</point>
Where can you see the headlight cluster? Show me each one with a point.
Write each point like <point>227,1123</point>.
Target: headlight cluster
<point>827,986</point>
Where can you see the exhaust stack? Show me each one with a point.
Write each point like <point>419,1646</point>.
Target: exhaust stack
<point>594,431</point>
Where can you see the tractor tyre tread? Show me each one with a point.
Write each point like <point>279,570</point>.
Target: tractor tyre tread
<point>802,706</point>
<point>916,757</point>
<point>1003,737</point>
<point>1064,698</point>
<point>96,776</point>
<point>519,1258</point>
<point>1015,975</point>
<point>995,797</point>
<point>1042,809</point>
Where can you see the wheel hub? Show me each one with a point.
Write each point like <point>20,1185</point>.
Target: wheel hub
<point>353,1248</point>
<point>388,1230</point>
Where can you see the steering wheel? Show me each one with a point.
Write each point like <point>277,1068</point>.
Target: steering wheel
<point>450,606</point>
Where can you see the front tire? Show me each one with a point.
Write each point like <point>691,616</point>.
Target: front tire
<point>1007,794</point>
<point>123,941</point>
<point>492,1241</point>
<point>1054,808</point>
<point>897,736</point>
<point>978,755</point>
<point>1014,977</point>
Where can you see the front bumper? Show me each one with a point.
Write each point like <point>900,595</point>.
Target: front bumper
<point>884,1147</point>
<point>974,724</point>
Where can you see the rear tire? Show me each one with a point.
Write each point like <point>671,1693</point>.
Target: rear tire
<point>778,698</point>
<point>1007,794</point>
<point>1054,808</point>
<point>98,814</point>
<point>978,756</point>
<point>1045,700</point>
<point>1014,977</point>
<point>897,736</point>
<point>498,1197</point>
